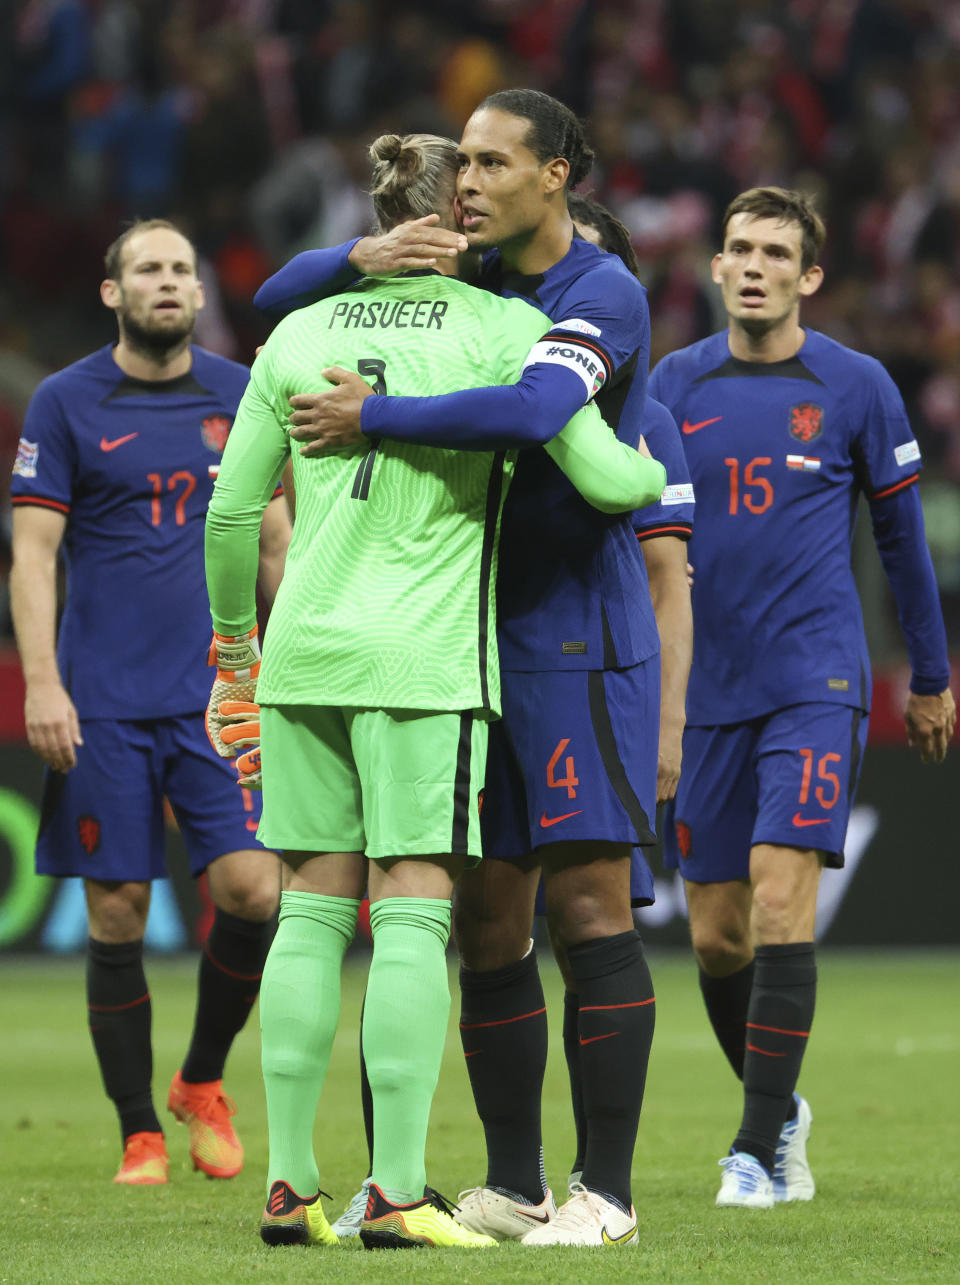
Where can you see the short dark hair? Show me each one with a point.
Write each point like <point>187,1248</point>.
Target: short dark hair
<point>786,207</point>
<point>554,129</point>
<point>614,237</point>
<point>113,258</point>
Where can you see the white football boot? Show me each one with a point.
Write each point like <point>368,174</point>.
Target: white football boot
<point>491,1213</point>
<point>792,1179</point>
<point>745,1183</point>
<point>587,1218</point>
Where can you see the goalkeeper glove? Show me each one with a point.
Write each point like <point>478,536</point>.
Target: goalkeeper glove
<point>238,664</point>
<point>241,731</point>
<point>249,775</point>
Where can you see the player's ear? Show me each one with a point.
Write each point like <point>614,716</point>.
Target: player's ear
<point>811,280</point>
<point>715,268</point>
<point>110,293</point>
<point>556,173</point>
<point>201,297</point>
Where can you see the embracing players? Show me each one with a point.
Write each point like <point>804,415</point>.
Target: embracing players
<point>114,467</point>
<point>572,769</point>
<point>379,682</point>
<point>783,429</point>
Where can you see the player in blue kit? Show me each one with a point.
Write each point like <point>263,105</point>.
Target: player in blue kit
<point>783,430</point>
<point>114,467</point>
<point>572,766</point>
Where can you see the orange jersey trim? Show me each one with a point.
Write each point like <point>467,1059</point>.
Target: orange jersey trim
<point>892,490</point>
<point>41,502</point>
<point>684,532</point>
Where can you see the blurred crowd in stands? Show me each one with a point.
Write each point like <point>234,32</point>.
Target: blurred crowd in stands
<point>246,121</point>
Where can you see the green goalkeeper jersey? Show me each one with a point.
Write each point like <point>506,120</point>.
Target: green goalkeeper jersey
<point>388,594</point>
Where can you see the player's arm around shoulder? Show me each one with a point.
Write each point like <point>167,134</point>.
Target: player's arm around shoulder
<point>601,328</point>
<point>610,475</point>
<point>53,728</point>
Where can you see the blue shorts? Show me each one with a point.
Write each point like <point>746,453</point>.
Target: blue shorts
<point>104,819</point>
<point>788,778</point>
<point>574,759</point>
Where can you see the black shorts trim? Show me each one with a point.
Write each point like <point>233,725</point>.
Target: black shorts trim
<point>491,522</point>
<point>53,788</point>
<point>854,756</point>
<point>610,756</point>
<point>461,788</point>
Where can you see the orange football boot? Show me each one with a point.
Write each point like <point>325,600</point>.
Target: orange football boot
<point>214,1145</point>
<point>145,1161</point>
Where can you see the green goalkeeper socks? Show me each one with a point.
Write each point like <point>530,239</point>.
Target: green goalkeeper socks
<point>299,1011</point>
<point>404,1029</point>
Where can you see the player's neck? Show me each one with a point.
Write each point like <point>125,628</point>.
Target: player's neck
<point>540,249</point>
<point>153,365</point>
<point>779,343</point>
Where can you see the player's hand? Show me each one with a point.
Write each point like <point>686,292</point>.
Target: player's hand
<point>242,732</point>
<point>53,728</point>
<point>690,575</point>
<point>669,759</point>
<point>643,448</point>
<point>416,244</point>
<point>238,663</point>
<point>930,724</point>
<point>330,421</point>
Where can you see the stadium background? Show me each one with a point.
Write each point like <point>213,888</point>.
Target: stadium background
<point>246,121</point>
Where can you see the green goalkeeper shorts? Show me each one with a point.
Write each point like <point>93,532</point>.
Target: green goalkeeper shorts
<point>389,783</point>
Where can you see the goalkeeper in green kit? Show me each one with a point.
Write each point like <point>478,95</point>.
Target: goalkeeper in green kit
<point>378,682</point>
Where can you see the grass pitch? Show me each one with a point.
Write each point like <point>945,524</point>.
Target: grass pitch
<point>881,1074</point>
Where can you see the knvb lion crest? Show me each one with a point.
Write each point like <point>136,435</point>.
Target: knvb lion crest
<point>806,421</point>
<point>88,831</point>
<point>215,430</point>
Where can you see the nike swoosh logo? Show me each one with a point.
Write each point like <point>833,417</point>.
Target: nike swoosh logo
<point>619,1240</point>
<point>534,1218</point>
<point>801,821</point>
<point>117,441</point>
<point>592,1039</point>
<point>695,428</point>
<point>546,821</point>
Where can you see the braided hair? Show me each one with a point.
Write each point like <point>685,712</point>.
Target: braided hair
<point>554,129</point>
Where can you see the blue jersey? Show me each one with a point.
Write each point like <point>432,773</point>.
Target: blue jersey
<point>779,453</point>
<point>127,461</point>
<point>672,514</point>
<point>572,591</point>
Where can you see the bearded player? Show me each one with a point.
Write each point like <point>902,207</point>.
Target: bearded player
<point>114,470</point>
